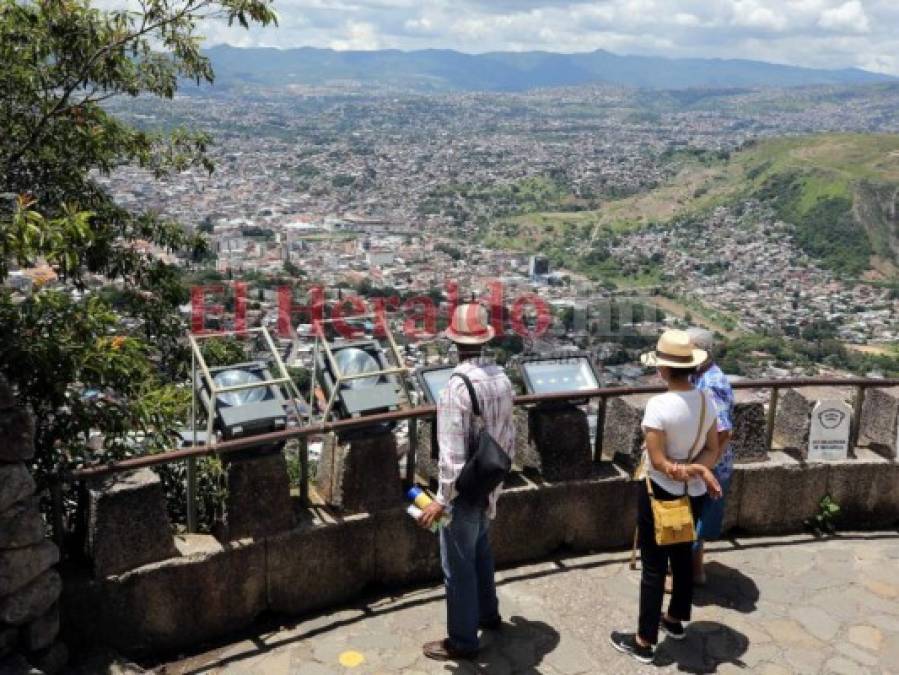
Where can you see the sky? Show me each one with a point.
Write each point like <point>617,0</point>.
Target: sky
<point>814,33</point>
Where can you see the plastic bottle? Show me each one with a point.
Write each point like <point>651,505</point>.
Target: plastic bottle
<point>420,500</point>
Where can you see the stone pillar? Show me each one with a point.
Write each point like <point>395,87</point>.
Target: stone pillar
<point>880,422</point>
<point>29,586</point>
<point>622,438</point>
<point>561,441</point>
<point>794,416</point>
<point>426,454</point>
<point>258,501</point>
<point>360,473</point>
<point>127,522</point>
<point>749,439</point>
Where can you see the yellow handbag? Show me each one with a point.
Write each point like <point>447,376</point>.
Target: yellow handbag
<point>673,518</point>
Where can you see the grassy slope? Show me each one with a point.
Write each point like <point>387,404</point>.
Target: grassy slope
<point>827,166</point>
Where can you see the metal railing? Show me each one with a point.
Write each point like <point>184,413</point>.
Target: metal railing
<point>419,412</point>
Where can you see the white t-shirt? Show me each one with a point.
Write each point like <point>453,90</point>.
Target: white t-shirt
<point>677,414</point>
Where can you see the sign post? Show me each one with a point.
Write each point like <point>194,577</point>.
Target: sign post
<point>828,439</point>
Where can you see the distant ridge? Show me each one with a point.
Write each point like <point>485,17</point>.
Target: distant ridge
<point>447,70</point>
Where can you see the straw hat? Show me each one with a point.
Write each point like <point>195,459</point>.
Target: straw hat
<point>675,349</point>
<point>469,325</point>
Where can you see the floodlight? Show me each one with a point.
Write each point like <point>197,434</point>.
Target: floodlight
<point>432,380</point>
<point>231,377</point>
<point>568,372</point>
<point>343,379</point>
<point>244,410</point>
<point>355,361</point>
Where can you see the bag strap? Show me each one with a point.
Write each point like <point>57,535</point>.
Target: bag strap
<point>475,406</point>
<point>697,440</point>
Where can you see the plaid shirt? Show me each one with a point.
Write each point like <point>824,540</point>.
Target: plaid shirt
<point>454,418</point>
<point>716,383</point>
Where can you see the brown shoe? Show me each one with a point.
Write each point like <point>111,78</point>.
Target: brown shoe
<point>442,650</point>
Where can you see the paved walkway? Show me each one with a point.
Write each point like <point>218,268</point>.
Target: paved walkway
<point>785,605</point>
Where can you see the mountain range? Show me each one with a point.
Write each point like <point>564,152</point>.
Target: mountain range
<point>447,70</point>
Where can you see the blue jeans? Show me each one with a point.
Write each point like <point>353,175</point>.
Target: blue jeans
<point>711,520</point>
<point>468,574</point>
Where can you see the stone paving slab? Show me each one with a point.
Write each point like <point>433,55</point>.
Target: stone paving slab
<point>771,606</point>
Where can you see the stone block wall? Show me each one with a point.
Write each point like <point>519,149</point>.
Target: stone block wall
<point>792,422</point>
<point>748,441</point>
<point>879,427</point>
<point>208,589</point>
<point>30,587</point>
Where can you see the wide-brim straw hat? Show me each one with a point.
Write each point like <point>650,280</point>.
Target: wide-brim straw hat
<point>469,325</point>
<point>675,349</point>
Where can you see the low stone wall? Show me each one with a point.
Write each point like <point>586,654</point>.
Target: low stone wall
<point>213,589</point>
<point>29,584</point>
<point>208,588</point>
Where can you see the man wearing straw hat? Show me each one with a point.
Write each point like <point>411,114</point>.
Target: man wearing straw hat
<point>465,553</point>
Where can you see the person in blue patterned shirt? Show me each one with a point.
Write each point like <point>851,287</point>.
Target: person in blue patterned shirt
<point>711,378</point>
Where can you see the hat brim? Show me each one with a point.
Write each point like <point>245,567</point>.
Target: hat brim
<point>462,339</point>
<point>653,360</point>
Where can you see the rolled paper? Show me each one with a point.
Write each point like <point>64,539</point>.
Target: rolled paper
<point>420,500</point>
<point>415,513</point>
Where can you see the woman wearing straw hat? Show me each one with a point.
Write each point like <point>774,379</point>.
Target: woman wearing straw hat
<point>681,448</point>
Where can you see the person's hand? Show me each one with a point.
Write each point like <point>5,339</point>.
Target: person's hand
<point>678,472</point>
<point>711,483</point>
<point>430,515</point>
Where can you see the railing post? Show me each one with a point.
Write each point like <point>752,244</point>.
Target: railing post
<point>191,477</point>
<point>191,473</point>
<point>413,450</point>
<point>435,447</point>
<point>855,429</point>
<point>304,469</point>
<point>772,414</point>
<point>600,429</point>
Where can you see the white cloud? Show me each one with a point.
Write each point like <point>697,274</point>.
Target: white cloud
<point>754,14</point>
<point>358,35</point>
<point>849,16</point>
<point>816,33</point>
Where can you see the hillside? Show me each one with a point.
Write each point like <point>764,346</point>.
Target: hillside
<point>447,70</point>
<point>839,191</point>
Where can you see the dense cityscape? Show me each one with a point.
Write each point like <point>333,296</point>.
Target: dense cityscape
<point>367,335</point>
<point>407,193</point>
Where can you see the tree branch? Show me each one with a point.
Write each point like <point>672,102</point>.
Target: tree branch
<point>61,104</point>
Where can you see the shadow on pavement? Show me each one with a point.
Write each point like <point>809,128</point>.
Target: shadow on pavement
<point>519,647</point>
<point>727,587</point>
<point>708,645</point>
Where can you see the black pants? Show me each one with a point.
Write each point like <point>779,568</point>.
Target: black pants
<point>654,564</point>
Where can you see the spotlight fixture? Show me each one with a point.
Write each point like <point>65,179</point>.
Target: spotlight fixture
<point>354,379</point>
<point>240,399</point>
<point>565,372</point>
<point>243,399</point>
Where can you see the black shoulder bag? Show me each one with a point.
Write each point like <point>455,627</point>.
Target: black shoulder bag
<point>487,464</point>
